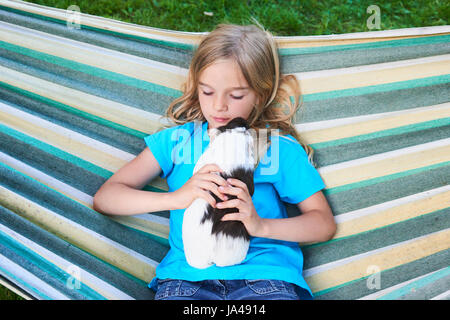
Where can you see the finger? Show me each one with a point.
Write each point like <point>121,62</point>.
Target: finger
<point>238,192</point>
<point>208,198</point>
<point>237,183</point>
<point>232,191</point>
<point>217,179</point>
<point>212,187</point>
<point>210,168</point>
<point>232,217</point>
<point>233,203</point>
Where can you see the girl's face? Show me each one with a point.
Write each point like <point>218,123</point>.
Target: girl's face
<point>224,93</point>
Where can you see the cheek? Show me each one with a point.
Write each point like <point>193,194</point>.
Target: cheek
<point>243,108</point>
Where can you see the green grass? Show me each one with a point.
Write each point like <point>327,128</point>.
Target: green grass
<point>6,294</point>
<point>283,18</point>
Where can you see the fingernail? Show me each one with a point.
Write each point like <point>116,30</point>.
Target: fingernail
<point>221,188</point>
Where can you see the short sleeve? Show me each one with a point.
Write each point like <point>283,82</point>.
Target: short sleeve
<point>297,179</point>
<point>161,144</point>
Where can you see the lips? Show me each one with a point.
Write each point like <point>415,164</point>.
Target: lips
<point>221,119</point>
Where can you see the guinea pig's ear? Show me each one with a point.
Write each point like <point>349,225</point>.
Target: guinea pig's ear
<point>213,133</point>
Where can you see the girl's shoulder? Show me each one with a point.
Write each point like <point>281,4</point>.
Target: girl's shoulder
<point>177,130</point>
<point>288,146</point>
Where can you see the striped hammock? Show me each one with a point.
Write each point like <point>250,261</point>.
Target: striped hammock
<point>78,93</point>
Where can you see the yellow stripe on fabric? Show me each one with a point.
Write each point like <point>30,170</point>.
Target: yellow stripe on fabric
<point>385,122</point>
<point>132,66</point>
<point>384,259</point>
<point>110,110</point>
<point>72,146</point>
<point>147,226</point>
<point>393,215</point>
<point>391,165</point>
<point>83,239</point>
<point>374,77</point>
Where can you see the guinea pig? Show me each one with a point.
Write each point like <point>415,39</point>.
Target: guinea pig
<point>207,240</point>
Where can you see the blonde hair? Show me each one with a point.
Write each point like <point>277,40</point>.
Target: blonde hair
<point>255,51</point>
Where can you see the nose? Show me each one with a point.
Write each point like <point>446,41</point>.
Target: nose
<point>220,104</point>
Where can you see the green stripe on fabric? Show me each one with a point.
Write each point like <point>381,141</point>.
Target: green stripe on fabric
<point>43,264</point>
<point>398,85</point>
<point>416,284</point>
<point>93,71</point>
<point>389,177</point>
<point>75,111</point>
<point>56,152</point>
<point>171,44</point>
<point>384,133</point>
<point>431,39</point>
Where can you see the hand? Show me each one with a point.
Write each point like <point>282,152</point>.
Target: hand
<point>247,213</point>
<point>199,185</point>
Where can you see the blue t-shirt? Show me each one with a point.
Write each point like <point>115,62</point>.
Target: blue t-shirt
<point>283,175</point>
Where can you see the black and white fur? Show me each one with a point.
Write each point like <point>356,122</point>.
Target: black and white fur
<point>207,240</point>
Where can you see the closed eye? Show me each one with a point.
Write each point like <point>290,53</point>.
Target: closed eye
<point>210,93</point>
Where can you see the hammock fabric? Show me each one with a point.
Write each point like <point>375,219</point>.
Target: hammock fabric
<point>75,104</point>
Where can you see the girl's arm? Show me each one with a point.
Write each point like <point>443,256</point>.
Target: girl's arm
<point>315,224</point>
<point>121,194</point>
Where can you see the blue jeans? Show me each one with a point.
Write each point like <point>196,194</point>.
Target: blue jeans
<point>173,289</point>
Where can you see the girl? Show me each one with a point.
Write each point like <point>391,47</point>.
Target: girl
<point>234,73</point>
